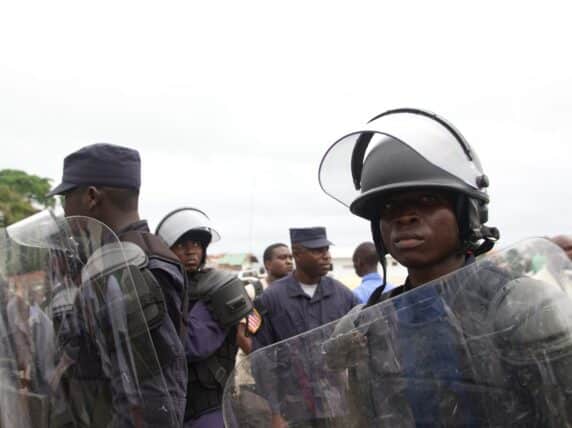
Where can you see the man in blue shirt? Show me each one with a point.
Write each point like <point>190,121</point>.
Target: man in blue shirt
<point>365,260</point>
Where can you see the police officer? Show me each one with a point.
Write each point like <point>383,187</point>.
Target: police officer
<point>210,340</point>
<point>102,181</point>
<point>306,298</point>
<point>452,361</point>
<point>301,301</point>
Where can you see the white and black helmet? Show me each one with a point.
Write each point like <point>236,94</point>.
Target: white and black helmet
<point>187,221</point>
<point>403,149</point>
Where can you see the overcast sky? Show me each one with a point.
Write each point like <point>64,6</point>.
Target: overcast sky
<point>232,104</point>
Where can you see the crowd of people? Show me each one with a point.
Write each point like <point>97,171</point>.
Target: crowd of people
<point>155,342</point>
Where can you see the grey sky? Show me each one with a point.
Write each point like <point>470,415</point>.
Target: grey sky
<point>232,104</point>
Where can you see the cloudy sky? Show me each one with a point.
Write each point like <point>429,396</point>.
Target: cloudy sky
<point>232,104</point>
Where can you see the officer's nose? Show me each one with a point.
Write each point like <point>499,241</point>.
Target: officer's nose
<point>407,218</point>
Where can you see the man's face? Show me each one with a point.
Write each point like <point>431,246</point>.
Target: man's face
<point>75,202</point>
<point>313,261</point>
<point>358,265</point>
<point>280,264</point>
<point>419,228</point>
<point>190,253</point>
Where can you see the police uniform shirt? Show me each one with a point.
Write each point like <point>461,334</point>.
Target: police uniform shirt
<point>289,311</point>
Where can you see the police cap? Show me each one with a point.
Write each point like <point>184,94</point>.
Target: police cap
<point>310,237</point>
<point>101,164</point>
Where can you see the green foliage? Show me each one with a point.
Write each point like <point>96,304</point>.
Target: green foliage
<point>22,194</point>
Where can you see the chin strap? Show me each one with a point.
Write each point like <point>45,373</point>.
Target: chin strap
<point>376,234</point>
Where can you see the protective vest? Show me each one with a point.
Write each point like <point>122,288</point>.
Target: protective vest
<point>207,378</point>
<point>149,292</point>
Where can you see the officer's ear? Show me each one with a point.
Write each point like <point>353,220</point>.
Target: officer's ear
<point>94,197</point>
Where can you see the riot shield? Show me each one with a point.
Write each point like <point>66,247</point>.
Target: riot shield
<point>76,348</point>
<point>488,345</point>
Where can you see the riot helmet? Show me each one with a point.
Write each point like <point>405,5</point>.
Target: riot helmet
<point>405,149</point>
<point>187,223</point>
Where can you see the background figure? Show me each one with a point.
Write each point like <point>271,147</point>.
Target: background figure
<point>278,262</point>
<point>365,260</point>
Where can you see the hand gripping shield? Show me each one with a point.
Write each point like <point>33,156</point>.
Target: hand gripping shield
<point>75,343</point>
<point>488,345</point>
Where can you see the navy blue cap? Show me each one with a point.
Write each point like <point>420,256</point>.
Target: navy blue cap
<point>310,237</point>
<point>101,164</point>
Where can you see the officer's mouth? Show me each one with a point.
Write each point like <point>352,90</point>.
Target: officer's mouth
<point>192,263</point>
<point>408,241</point>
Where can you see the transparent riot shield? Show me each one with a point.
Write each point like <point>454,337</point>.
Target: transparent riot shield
<point>76,327</point>
<point>488,345</point>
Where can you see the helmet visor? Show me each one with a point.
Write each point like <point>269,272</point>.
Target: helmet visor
<point>431,137</point>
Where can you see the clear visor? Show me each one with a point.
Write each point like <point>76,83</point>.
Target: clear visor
<point>427,136</point>
<point>50,229</point>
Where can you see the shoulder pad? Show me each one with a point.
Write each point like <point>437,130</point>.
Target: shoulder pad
<point>208,281</point>
<point>171,269</point>
<point>112,257</point>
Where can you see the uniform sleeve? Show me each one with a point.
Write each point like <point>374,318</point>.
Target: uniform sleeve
<point>265,335</point>
<point>204,335</point>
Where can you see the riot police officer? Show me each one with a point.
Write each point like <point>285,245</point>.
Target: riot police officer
<point>102,181</point>
<point>481,347</point>
<point>218,301</point>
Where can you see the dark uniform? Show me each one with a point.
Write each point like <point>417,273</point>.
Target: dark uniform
<point>167,337</point>
<point>211,353</point>
<point>288,310</point>
<point>217,301</point>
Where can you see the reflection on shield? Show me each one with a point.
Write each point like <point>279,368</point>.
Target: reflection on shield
<point>488,345</point>
<point>75,344</point>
